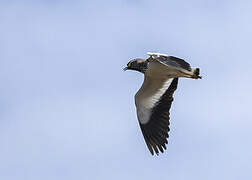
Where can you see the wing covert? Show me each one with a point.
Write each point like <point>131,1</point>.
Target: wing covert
<point>170,61</point>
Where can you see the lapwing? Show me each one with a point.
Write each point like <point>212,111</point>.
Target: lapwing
<point>153,100</point>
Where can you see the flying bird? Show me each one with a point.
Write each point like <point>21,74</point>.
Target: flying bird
<point>153,100</point>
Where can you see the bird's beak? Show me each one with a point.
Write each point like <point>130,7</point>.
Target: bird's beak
<point>126,68</point>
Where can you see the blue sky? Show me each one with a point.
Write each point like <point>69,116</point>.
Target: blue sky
<point>67,108</point>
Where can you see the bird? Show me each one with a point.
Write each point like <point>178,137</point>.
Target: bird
<point>154,99</point>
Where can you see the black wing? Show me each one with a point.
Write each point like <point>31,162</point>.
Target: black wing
<point>174,61</point>
<point>155,132</point>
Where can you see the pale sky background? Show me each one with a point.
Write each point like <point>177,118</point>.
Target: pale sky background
<point>67,109</point>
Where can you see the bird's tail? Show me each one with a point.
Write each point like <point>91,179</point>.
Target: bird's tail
<point>195,73</point>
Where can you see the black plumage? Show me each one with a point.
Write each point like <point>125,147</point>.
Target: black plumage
<point>174,61</point>
<point>155,132</point>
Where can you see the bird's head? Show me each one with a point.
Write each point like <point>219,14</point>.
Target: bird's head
<point>138,64</point>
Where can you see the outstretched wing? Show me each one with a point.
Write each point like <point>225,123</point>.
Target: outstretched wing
<point>170,61</point>
<point>153,102</point>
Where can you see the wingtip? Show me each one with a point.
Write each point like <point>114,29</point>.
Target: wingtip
<point>150,53</point>
<point>156,54</point>
<point>197,71</point>
<point>196,74</point>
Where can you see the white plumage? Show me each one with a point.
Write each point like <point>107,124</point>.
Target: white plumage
<point>153,100</point>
